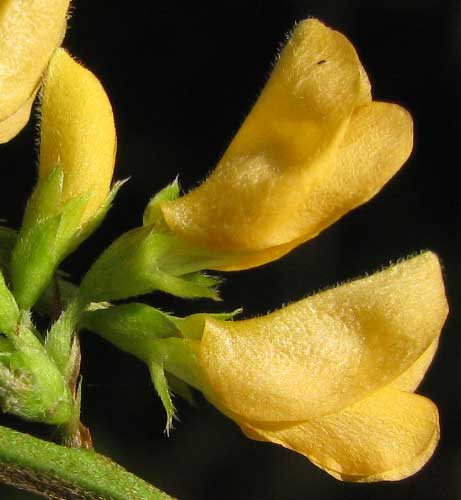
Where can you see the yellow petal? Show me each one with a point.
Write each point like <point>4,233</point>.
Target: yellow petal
<point>378,141</point>
<point>385,437</point>
<point>29,32</point>
<point>12,125</point>
<point>327,351</point>
<point>254,198</point>
<point>410,379</point>
<point>77,130</point>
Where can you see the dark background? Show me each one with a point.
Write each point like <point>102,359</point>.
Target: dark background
<point>182,76</point>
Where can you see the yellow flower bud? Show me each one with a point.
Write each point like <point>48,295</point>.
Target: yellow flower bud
<point>29,32</point>
<point>77,131</point>
<point>332,376</point>
<point>313,147</point>
<point>72,196</point>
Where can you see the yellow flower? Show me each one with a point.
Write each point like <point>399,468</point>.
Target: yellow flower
<point>313,147</point>
<point>29,32</point>
<point>332,376</point>
<point>77,132</point>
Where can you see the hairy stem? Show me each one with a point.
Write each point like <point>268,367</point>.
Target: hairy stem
<point>60,473</point>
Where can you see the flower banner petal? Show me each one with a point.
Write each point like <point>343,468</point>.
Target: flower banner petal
<point>325,352</point>
<point>283,147</point>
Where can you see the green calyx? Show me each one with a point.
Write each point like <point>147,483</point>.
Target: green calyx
<point>152,214</point>
<point>168,345</point>
<point>50,231</point>
<point>143,260</point>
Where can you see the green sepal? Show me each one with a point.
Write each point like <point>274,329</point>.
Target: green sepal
<point>155,338</point>
<point>179,357</point>
<point>44,238</point>
<point>50,231</point>
<point>160,382</point>
<point>131,323</point>
<point>33,261</point>
<point>94,222</point>
<point>172,359</point>
<point>188,286</point>
<point>191,327</point>
<point>143,260</point>
<point>152,213</point>
<point>136,322</point>
<point>31,386</point>
<point>135,328</point>
<point>181,389</point>
<point>152,335</point>
<point>9,311</point>
<point>60,338</point>
<point>45,204</point>
<point>45,200</point>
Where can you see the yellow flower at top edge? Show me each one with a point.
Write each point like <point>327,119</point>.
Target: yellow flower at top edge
<point>332,376</point>
<point>29,32</point>
<point>77,131</point>
<point>313,147</point>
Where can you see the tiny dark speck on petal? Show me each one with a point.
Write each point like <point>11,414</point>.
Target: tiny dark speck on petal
<point>322,61</point>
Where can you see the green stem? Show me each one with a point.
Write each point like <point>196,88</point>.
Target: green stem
<point>59,473</point>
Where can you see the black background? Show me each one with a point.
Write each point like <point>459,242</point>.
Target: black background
<point>181,77</point>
